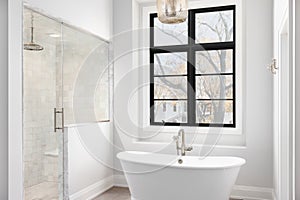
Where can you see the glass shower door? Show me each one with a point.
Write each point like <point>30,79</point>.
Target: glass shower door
<point>66,78</point>
<point>42,94</point>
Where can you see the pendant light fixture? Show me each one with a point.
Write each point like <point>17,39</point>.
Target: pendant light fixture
<point>172,11</point>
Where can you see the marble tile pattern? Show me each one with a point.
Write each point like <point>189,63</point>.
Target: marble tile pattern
<point>39,101</point>
<point>40,143</point>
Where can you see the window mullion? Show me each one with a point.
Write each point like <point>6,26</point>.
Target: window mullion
<point>191,88</point>
<point>152,120</point>
<point>191,71</point>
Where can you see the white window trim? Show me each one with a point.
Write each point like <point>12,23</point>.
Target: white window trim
<point>142,10</point>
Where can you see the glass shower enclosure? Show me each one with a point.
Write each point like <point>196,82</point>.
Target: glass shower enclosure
<point>65,82</point>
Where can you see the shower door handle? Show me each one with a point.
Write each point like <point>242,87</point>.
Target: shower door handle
<point>62,119</point>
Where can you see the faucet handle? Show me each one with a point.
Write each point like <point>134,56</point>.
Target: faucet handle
<point>175,138</point>
<point>189,148</point>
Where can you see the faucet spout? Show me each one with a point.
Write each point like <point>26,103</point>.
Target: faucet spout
<point>182,148</point>
<point>182,135</point>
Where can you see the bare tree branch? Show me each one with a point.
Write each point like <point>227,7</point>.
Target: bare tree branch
<point>208,93</point>
<point>171,35</point>
<point>219,108</point>
<point>177,86</point>
<point>210,88</point>
<point>209,26</point>
<point>225,26</point>
<point>209,59</point>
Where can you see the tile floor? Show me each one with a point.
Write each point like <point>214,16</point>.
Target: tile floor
<point>42,191</point>
<point>117,193</point>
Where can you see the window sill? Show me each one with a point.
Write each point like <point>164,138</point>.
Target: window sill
<point>200,136</point>
<point>192,130</point>
<point>196,146</point>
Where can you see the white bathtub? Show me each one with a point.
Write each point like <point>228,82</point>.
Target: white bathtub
<point>152,176</point>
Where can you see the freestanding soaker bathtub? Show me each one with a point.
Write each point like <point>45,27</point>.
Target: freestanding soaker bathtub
<point>152,176</point>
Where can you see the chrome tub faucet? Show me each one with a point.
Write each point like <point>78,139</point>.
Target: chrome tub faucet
<point>182,148</point>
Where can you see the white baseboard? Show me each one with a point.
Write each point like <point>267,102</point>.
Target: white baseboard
<point>252,193</point>
<point>238,192</point>
<point>94,190</point>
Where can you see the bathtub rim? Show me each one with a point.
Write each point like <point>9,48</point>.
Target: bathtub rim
<point>174,164</point>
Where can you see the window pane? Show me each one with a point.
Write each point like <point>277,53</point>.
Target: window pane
<point>170,87</point>
<point>214,87</point>
<point>170,63</point>
<point>214,112</point>
<point>170,111</point>
<point>170,34</point>
<point>214,27</point>
<point>214,61</point>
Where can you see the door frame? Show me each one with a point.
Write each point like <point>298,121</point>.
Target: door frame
<point>280,145</point>
<point>294,93</point>
<point>296,51</point>
<point>15,90</point>
<point>286,25</point>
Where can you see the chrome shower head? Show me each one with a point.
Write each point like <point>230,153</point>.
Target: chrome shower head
<point>31,46</point>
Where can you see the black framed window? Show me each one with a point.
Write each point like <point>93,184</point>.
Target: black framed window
<point>192,69</point>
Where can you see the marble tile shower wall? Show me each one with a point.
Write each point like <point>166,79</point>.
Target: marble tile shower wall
<point>52,146</point>
<point>39,101</point>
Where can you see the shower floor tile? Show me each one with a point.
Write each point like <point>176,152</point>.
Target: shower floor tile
<point>42,191</point>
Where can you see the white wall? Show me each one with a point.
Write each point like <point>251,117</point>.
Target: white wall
<point>93,15</point>
<point>258,171</point>
<point>4,100</point>
<point>122,22</point>
<point>89,160</point>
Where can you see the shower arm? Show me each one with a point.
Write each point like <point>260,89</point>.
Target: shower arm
<point>31,37</point>
<point>31,29</point>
